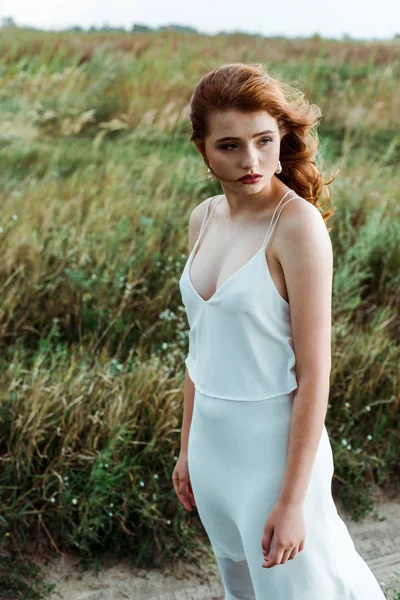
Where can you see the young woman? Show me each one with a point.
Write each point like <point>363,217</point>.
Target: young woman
<point>255,457</point>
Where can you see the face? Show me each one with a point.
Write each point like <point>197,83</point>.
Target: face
<point>246,148</point>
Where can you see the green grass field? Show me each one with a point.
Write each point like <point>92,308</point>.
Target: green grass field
<point>97,181</point>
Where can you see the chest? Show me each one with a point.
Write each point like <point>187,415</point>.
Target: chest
<point>222,258</point>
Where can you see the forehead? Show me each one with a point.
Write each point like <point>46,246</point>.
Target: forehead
<point>239,124</point>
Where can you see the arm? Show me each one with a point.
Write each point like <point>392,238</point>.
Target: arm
<point>188,400</point>
<point>305,253</point>
<point>195,221</point>
<point>181,475</point>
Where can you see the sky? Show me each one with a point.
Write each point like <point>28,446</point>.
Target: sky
<point>359,19</point>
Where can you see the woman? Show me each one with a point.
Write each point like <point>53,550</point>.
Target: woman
<point>255,456</point>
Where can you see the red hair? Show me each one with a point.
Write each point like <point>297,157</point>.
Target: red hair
<point>248,88</point>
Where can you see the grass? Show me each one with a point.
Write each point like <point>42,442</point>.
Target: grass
<point>97,181</point>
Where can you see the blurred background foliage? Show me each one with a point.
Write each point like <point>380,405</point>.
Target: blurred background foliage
<point>97,181</point>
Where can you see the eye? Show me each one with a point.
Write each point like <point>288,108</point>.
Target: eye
<point>226,146</point>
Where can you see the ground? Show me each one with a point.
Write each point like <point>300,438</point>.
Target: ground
<point>375,540</point>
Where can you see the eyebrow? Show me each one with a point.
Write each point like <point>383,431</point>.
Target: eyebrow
<point>230,137</point>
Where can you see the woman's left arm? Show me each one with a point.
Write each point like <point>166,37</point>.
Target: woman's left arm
<point>305,253</point>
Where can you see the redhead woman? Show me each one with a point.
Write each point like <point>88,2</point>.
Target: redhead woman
<point>256,458</point>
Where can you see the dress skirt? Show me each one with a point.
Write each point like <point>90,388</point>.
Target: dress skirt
<point>237,453</point>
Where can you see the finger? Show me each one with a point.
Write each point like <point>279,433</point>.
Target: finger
<point>192,498</point>
<point>181,489</point>
<point>185,501</point>
<point>285,556</point>
<point>191,493</point>
<point>266,540</point>
<point>184,491</point>
<point>276,557</point>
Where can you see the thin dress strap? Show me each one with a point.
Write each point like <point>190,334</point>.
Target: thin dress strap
<point>205,218</point>
<point>272,223</point>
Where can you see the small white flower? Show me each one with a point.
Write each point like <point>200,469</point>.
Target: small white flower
<point>369,437</point>
<point>52,499</point>
<point>368,408</point>
<point>111,504</point>
<point>106,465</point>
<point>344,442</point>
<point>175,458</point>
<point>347,404</point>
<point>94,276</point>
<point>155,476</point>
<point>167,315</point>
<point>110,514</point>
<point>1,230</point>
<point>15,217</point>
<point>74,501</point>
<point>164,345</point>
<point>142,483</point>
<point>168,522</point>
<point>348,446</point>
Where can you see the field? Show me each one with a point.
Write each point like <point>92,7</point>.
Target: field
<point>97,181</point>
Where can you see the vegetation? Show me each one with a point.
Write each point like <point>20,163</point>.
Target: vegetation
<point>97,181</point>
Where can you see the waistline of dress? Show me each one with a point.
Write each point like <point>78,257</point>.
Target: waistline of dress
<point>282,396</point>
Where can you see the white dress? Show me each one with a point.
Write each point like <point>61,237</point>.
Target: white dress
<point>242,362</point>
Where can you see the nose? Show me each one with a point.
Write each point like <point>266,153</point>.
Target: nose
<point>250,159</point>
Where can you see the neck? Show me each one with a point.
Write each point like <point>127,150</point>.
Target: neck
<point>239,205</point>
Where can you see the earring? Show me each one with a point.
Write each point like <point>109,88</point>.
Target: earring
<point>210,173</point>
<point>279,167</point>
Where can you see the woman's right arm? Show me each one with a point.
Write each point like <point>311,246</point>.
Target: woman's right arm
<point>180,476</point>
<point>188,401</point>
<point>195,221</point>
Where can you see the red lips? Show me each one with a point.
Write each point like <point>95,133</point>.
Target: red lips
<point>250,177</point>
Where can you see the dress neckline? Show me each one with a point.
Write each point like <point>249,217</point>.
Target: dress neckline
<point>247,263</point>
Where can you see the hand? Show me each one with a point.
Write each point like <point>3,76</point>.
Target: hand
<point>285,524</point>
<point>181,481</point>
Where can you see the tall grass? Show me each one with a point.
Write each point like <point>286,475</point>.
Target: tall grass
<point>97,182</point>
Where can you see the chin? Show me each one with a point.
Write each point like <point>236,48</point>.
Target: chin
<point>252,189</point>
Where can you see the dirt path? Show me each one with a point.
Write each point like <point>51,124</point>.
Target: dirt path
<point>377,541</point>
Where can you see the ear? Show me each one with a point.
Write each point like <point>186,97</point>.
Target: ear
<point>200,146</point>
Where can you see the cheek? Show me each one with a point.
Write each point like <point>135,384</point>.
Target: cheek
<point>272,153</point>
<point>225,159</point>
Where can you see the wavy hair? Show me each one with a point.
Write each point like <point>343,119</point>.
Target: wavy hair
<point>247,87</point>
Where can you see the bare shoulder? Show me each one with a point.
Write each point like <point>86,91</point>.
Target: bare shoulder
<point>305,255</point>
<point>298,207</point>
<point>196,219</point>
<point>301,223</point>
